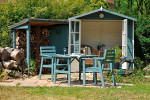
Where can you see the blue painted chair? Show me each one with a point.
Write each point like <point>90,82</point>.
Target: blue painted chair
<point>44,51</point>
<point>62,68</point>
<point>109,58</point>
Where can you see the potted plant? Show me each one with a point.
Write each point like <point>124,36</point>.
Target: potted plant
<point>118,56</point>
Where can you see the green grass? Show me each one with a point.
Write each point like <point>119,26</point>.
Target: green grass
<point>132,79</point>
<point>138,91</point>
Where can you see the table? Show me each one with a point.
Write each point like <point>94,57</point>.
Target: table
<point>70,59</point>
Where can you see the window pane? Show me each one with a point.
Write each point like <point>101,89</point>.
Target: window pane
<point>76,48</point>
<point>77,27</point>
<point>72,26</point>
<point>76,38</point>
<point>72,38</point>
<point>72,48</point>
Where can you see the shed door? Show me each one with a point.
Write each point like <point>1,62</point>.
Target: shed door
<point>124,41</point>
<point>74,36</point>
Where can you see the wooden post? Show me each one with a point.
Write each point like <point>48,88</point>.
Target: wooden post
<point>28,48</point>
<point>14,38</point>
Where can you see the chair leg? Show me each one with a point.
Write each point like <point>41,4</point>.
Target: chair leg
<point>41,69</point>
<point>101,74</point>
<point>84,75</point>
<point>54,81</point>
<point>95,77</point>
<point>113,76</point>
<point>52,71</point>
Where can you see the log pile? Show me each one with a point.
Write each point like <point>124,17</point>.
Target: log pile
<point>38,37</point>
<point>10,59</point>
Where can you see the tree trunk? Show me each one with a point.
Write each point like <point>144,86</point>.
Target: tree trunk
<point>17,55</point>
<point>4,54</point>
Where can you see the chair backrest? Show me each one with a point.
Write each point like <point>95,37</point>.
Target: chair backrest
<point>47,50</point>
<point>109,55</point>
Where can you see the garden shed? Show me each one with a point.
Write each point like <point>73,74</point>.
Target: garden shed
<point>102,27</point>
<point>31,33</point>
<point>99,27</point>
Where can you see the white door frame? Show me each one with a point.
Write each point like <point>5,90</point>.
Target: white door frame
<point>124,41</point>
<point>133,40</point>
<point>69,38</point>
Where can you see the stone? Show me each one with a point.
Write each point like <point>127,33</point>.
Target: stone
<point>18,74</point>
<point>25,76</point>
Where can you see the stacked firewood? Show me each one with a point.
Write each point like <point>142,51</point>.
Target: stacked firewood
<point>44,41</point>
<point>10,59</point>
<point>38,37</point>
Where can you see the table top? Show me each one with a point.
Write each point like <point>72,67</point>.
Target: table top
<point>70,56</point>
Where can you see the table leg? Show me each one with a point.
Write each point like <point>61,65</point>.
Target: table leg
<point>95,73</point>
<point>84,75</point>
<point>69,71</point>
<point>80,65</point>
<point>52,69</point>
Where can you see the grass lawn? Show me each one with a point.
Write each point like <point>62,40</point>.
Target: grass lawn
<point>138,91</point>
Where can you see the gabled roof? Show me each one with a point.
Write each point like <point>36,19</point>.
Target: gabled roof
<point>38,21</point>
<point>104,10</point>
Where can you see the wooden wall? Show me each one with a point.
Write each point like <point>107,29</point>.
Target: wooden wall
<point>108,33</point>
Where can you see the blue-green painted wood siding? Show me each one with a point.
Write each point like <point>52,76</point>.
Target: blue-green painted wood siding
<point>59,37</point>
<point>107,16</point>
<point>130,37</point>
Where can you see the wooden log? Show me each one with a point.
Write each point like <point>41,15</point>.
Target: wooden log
<point>4,54</point>
<point>8,64</point>
<point>11,64</point>
<point>17,55</point>
<point>15,63</point>
<point>0,56</point>
<point>9,49</point>
<point>1,66</point>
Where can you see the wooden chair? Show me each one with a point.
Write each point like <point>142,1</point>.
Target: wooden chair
<point>44,51</point>
<point>109,58</point>
<point>62,68</point>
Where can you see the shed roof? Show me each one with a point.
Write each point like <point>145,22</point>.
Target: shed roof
<point>38,21</point>
<point>104,10</point>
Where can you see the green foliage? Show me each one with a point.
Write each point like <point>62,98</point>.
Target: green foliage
<point>32,65</point>
<point>131,79</point>
<point>16,10</point>
<point>140,10</point>
<point>140,66</point>
<point>118,53</point>
<point>18,84</point>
